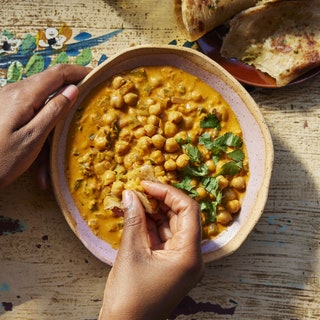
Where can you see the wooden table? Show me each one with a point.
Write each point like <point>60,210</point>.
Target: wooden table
<point>46,273</point>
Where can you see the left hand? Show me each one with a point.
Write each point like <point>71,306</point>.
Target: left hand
<point>27,118</point>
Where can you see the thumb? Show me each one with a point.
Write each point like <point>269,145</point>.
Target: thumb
<point>135,229</point>
<point>55,109</point>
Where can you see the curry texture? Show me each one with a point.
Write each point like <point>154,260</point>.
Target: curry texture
<point>162,123</point>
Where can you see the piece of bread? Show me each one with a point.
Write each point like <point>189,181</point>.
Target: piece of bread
<point>281,39</point>
<point>197,17</point>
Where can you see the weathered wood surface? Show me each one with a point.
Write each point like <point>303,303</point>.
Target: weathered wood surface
<point>46,273</point>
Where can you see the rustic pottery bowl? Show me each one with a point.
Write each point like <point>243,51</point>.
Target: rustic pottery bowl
<point>255,132</point>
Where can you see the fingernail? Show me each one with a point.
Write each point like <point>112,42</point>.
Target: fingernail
<point>146,182</point>
<point>127,198</point>
<point>70,92</point>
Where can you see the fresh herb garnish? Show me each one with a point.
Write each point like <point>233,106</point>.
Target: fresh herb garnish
<point>230,168</point>
<point>225,146</point>
<point>210,208</point>
<point>211,185</point>
<point>236,155</point>
<point>196,171</point>
<point>193,152</point>
<point>185,185</point>
<point>211,121</point>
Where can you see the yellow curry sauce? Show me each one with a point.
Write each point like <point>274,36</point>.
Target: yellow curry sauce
<point>168,120</point>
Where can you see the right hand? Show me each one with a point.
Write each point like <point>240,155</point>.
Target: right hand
<point>159,259</point>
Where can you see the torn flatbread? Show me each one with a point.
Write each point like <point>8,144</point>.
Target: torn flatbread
<point>281,39</point>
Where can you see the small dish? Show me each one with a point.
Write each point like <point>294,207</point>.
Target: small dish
<point>255,133</point>
<point>210,45</point>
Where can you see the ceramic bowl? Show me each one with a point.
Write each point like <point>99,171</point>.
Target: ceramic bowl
<point>255,132</point>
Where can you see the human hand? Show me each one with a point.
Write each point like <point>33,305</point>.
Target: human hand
<point>159,259</point>
<point>27,118</point>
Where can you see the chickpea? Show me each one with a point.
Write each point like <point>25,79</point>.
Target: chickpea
<point>171,145</point>
<point>122,147</point>
<point>126,134</point>
<point>144,144</point>
<point>182,161</point>
<point>100,142</point>
<point>139,132</point>
<point>158,141</point>
<point>123,122</point>
<point>149,101</point>
<point>205,152</point>
<point>131,98</point>
<point>120,169</point>
<point>108,177</point>
<point>224,217</point>
<point>128,86</point>
<point>188,123</point>
<point>175,116</point>
<point>181,135</point>
<point>170,165</point>
<point>159,171</point>
<point>196,96</point>
<point>170,129</point>
<point>211,165</point>
<point>150,129</point>
<point>117,101</point>
<point>233,206</point>
<point>193,182</point>
<point>99,168</point>
<point>239,183</point>
<point>202,193</point>
<point>157,157</point>
<point>212,230</point>
<point>130,159</point>
<point>117,188</point>
<point>155,109</point>
<point>155,81</point>
<point>109,155</point>
<point>153,119</point>
<point>193,136</point>
<point>130,185</point>
<point>182,89</point>
<point>172,176</point>
<point>223,182</point>
<point>110,117</point>
<point>229,194</point>
<point>118,159</point>
<point>117,82</point>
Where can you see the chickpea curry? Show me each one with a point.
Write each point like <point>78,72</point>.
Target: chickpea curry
<point>156,122</point>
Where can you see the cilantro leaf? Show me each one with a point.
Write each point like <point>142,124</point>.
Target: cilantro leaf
<point>215,148</point>
<point>210,184</point>
<point>196,171</point>
<point>210,121</point>
<point>184,141</point>
<point>210,208</point>
<point>230,168</point>
<point>229,139</point>
<point>193,152</point>
<point>236,155</point>
<point>185,185</point>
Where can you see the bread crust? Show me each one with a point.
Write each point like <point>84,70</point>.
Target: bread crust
<point>196,17</point>
<point>281,39</point>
